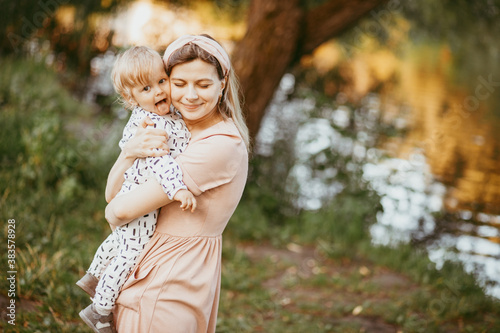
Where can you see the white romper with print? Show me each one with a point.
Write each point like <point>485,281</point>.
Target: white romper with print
<point>118,254</point>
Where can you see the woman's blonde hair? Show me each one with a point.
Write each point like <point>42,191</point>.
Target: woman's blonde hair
<point>229,105</point>
<point>133,67</point>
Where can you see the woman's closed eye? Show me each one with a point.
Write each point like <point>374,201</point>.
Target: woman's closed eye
<point>201,85</point>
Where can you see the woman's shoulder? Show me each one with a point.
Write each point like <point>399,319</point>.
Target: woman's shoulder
<point>225,130</point>
<point>215,157</point>
<point>221,142</point>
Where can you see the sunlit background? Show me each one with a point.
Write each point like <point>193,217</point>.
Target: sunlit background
<point>406,104</point>
<point>443,155</point>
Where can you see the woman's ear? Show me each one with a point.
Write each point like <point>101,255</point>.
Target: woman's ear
<point>223,85</point>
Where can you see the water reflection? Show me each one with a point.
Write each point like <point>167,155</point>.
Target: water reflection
<point>460,147</point>
<point>413,178</point>
<point>460,171</point>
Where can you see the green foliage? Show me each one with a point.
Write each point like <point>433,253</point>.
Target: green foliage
<point>53,181</point>
<point>33,27</point>
<point>458,38</point>
<point>268,179</point>
<point>37,145</point>
<point>470,28</point>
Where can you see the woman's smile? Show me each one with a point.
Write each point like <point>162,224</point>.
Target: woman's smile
<point>191,106</point>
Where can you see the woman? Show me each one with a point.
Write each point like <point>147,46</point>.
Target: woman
<point>176,284</point>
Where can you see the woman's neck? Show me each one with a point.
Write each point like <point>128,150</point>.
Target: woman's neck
<point>196,126</point>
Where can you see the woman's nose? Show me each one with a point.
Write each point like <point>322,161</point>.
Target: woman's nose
<point>191,93</point>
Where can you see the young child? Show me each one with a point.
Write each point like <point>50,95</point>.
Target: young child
<point>139,77</point>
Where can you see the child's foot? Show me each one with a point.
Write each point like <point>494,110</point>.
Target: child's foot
<point>99,323</point>
<point>88,283</point>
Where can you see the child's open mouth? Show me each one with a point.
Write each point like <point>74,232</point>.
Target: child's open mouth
<point>163,106</point>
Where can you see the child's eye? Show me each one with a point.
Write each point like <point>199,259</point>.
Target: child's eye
<point>147,88</point>
<point>163,81</point>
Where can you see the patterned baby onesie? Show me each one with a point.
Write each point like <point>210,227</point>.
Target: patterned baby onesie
<point>118,254</point>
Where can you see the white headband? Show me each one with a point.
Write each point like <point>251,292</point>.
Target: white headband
<point>206,44</point>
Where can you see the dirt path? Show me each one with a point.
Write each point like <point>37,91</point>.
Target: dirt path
<point>305,280</point>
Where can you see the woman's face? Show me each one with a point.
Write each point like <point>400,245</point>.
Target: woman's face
<point>195,90</point>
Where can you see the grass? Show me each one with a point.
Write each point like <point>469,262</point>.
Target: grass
<point>330,271</point>
<point>302,272</point>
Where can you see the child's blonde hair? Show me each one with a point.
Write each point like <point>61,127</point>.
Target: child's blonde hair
<point>133,67</point>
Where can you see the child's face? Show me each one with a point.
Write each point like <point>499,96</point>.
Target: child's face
<point>155,96</point>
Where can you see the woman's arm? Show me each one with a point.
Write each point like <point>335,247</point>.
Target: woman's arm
<point>208,163</point>
<point>115,177</point>
<point>142,144</point>
<point>142,200</point>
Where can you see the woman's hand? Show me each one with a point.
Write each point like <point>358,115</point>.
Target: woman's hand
<point>147,142</point>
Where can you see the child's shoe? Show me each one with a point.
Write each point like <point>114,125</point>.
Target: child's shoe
<point>96,321</point>
<point>88,283</point>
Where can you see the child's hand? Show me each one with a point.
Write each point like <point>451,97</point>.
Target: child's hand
<point>187,200</point>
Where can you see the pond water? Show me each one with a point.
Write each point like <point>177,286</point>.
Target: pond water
<point>438,173</point>
<point>441,193</point>
<point>441,182</point>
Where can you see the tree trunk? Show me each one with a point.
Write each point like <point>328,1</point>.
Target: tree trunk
<point>279,33</point>
<point>263,55</point>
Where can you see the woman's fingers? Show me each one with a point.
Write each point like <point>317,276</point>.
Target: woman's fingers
<point>157,147</point>
<point>156,136</point>
<point>147,141</point>
<point>146,121</point>
<point>153,137</point>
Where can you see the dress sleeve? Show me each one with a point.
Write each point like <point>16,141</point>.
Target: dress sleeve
<point>167,173</point>
<point>211,162</point>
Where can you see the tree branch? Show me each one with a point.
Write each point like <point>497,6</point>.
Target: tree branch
<point>330,19</point>
<point>278,34</point>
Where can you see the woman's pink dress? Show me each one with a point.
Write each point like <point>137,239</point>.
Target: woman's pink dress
<point>176,284</point>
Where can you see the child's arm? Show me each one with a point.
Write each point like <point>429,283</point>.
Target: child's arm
<point>187,200</point>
